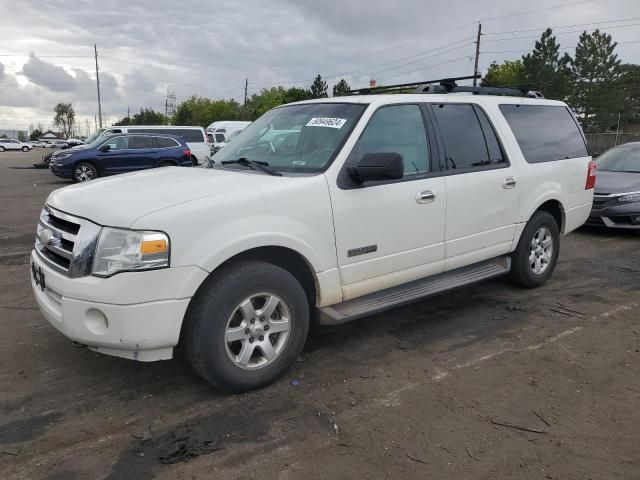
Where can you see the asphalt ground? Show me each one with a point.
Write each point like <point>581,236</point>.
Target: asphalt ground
<point>490,381</point>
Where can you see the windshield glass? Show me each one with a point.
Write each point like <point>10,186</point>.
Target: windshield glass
<point>620,159</point>
<point>94,136</point>
<point>296,138</point>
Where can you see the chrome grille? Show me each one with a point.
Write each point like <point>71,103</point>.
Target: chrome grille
<point>66,243</point>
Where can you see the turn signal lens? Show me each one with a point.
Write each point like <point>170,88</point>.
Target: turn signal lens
<point>153,246</point>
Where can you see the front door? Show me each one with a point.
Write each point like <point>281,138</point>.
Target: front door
<point>390,232</point>
<point>482,186</point>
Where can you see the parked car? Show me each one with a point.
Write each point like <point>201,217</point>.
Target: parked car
<point>121,154</point>
<point>385,200</point>
<point>56,144</point>
<point>73,142</point>
<point>616,202</point>
<point>222,132</point>
<point>11,144</point>
<point>195,137</point>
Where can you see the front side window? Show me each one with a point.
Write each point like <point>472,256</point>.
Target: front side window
<point>396,129</point>
<point>295,138</point>
<point>464,141</point>
<point>220,138</point>
<point>117,143</point>
<point>545,132</point>
<point>140,142</point>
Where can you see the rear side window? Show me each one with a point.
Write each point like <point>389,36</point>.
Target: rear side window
<point>140,142</point>
<point>464,141</point>
<point>545,132</point>
<point>165,142</point>
<point>220,137</point>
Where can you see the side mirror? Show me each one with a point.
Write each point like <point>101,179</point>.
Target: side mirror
<point>378,166</point>
<point>105,148</point>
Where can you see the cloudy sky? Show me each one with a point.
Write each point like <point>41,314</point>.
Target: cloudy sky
<point>208,48</point>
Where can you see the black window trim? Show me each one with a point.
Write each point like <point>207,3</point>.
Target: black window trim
<point>571,114</point>
<point>444,170</point>
<point>345,182</point>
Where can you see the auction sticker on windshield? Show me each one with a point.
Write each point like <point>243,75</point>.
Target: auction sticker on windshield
<point>326,122</point>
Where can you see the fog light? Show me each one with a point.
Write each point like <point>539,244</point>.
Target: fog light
<point>96,322</point>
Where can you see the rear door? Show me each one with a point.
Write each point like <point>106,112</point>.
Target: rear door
<point>390,232</point>
<point>142,153</point>
<point>481,182</point>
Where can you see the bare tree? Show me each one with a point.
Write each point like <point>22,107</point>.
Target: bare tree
<point>65,118</point>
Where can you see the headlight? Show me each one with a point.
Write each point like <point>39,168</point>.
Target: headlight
<point>61,156</point>
<point>630,197</point>
<point>122,250</point>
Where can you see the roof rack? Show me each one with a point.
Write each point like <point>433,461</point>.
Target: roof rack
<point>448,85</point>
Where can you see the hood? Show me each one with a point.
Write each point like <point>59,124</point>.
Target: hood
<point>616,182</point>
<point>119,200</point>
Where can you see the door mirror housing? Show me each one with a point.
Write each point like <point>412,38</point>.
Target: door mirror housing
<point>378,166</point>
<point>105,148</point>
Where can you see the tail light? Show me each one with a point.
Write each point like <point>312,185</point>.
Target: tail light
<point>186,153</point>
<point>591,176</point>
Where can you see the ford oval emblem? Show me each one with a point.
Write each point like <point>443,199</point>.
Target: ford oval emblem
<point>45,236</point>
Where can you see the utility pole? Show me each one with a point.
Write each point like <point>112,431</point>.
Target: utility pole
<point>128,117</point>
<point>475,67</point>
<point>95,49</point>
<point>246,88</point>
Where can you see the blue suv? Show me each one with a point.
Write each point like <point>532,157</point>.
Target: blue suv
<point>120,153</point>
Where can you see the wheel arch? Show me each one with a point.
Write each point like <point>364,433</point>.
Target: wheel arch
<point>286,258</point>
<point>556,210</point>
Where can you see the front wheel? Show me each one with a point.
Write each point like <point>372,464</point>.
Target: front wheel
<point>536,255</point>
<point>83,172</point>
<point>25,149</point>
<point>1,149</point>
<point>246,325</point>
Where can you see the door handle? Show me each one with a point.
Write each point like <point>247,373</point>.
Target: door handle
<point>509,182</point>
<point>426,196</point>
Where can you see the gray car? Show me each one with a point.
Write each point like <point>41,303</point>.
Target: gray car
<point>616,201</point>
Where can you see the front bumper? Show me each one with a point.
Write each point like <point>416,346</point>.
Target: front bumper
<point>621,215</point>
<point>63,172</point>
<point>131,317</point>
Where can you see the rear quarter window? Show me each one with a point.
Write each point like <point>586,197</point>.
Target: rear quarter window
<point>545,133</point>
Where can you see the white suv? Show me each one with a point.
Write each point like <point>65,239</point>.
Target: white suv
<point>364,203</point>
<point>11,144</point>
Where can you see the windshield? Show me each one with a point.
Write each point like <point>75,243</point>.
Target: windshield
<point>296,138</point>
<point>620,159</point>
<point>94,136</point>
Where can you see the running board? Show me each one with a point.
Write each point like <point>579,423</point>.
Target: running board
<point>412,291</point>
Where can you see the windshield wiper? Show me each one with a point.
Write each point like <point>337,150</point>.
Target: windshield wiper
<point>244,161</point>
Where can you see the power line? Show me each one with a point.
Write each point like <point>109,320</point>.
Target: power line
<point>565,26</point>
<point>538,10</point>
<point>557,33</point>
<point>563,48</point>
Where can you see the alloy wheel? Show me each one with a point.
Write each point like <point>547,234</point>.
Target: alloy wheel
<point>541,250</point>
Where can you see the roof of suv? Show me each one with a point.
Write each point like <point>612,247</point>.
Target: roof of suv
<point>433,98</point>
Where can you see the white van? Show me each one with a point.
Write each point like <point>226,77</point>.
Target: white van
<point>195,137</point>
<point>221,132</point>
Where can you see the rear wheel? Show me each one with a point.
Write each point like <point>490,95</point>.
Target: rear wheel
<point>246,326</point>
<point>535,258</point>
<point>25,149</point>
<point>83,172</point>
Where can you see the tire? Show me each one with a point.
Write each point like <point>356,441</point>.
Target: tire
<point>1,149</point>
<point>83,172</point>
<point>231,302</point>
<point>536,256</point>
<point>25,149</point>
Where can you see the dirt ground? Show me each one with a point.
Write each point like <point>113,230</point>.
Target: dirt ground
<point>487,382</point>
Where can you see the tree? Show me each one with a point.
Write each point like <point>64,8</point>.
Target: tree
<point>507,74</point>
<point>35,134</point>
<point>319,88</point>
<point>22,136</point>
<point>203,111</point>
<point>595,73</point>
<point>341,88</point>
<point>147,116</point>
<point>296,94</point>
<point>629,86</point>
<point>545,70</point>
<point>65,118</point>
